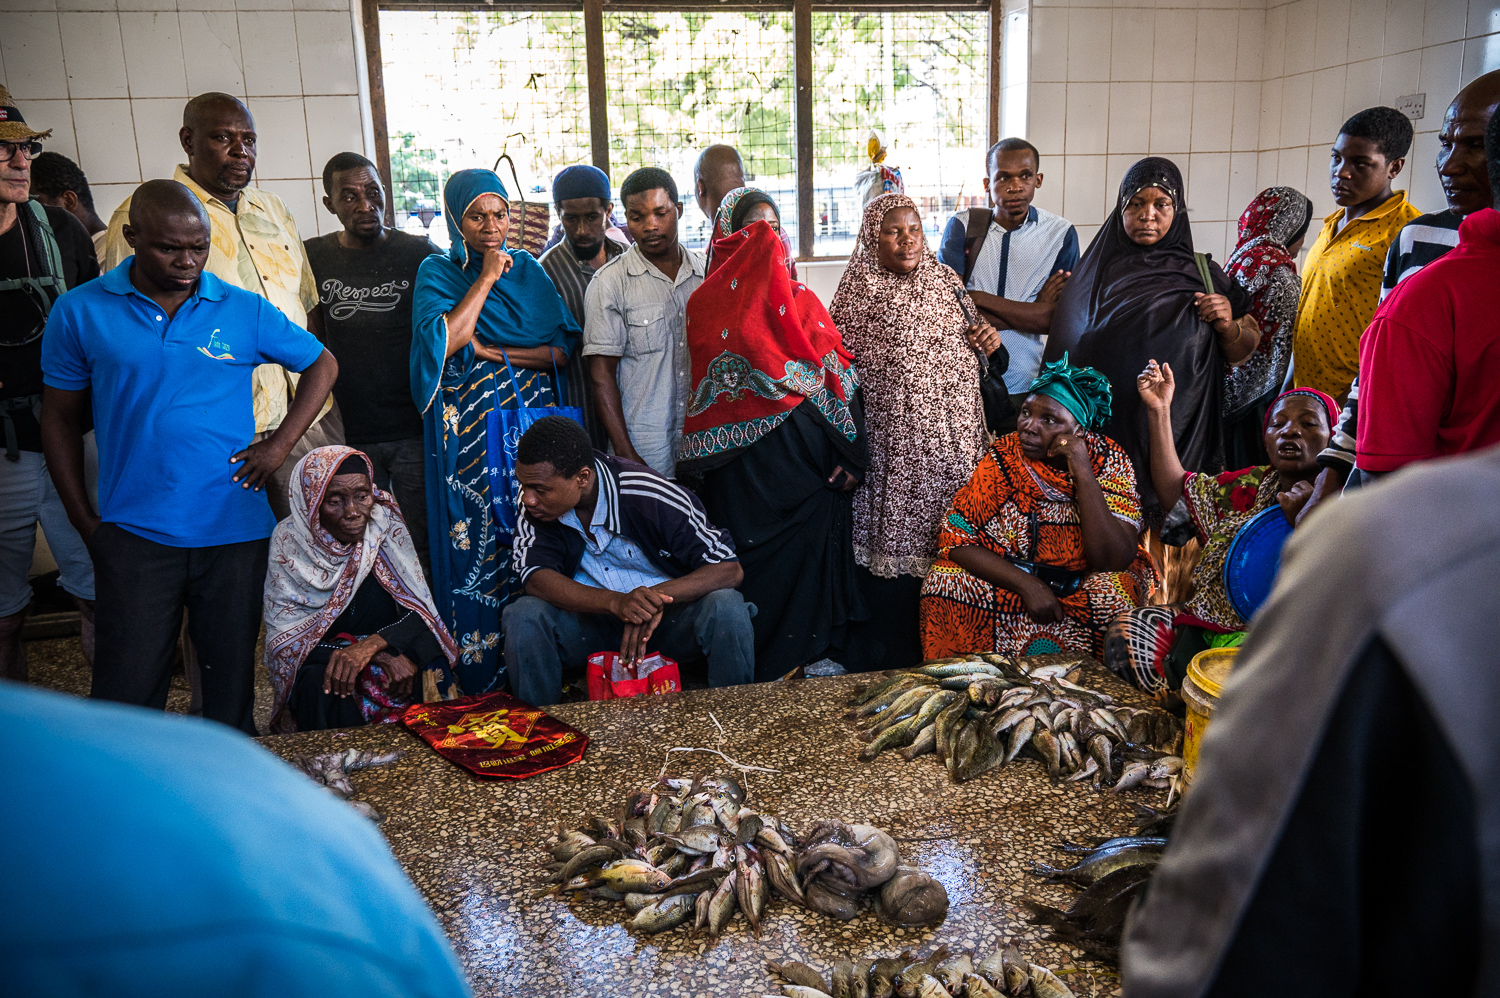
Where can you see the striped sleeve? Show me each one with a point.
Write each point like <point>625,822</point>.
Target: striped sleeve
<point>686,535</point>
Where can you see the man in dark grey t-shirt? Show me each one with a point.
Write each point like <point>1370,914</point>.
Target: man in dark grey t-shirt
<point>366,277</point>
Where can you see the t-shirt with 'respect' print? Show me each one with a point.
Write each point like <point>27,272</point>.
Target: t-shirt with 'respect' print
<point>366,296</point>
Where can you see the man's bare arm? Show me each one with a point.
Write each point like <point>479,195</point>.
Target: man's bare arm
<point>62,444</point>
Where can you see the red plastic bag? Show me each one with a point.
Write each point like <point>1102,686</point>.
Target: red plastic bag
<point>496,736</point>
<point>611,679</point>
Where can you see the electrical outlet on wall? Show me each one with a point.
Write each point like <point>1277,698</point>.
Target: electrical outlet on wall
<point>1412,105</point>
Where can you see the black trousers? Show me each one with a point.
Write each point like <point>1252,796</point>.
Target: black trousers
<point>142,587</point>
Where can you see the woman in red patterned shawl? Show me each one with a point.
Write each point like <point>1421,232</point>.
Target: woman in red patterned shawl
<point>775,435</point>
<point>352,634</point>
<point>1264,263</point>
<point>1041,549</point>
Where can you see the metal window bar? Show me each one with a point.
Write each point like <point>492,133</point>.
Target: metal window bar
<point>463,84</point>
<point>918,78</point>
<point>680,81</point>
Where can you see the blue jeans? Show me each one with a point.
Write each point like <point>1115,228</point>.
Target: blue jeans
<point>541,641</point>
<point>27,497</point>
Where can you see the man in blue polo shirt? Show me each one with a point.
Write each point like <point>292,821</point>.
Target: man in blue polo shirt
<point>169,353</point>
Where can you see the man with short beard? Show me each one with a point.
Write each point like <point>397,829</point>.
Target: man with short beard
<point>367,275</point>
<point>164,356</point>
<point>44,251</point>
<point>581,194</point>
<point>255,247</point>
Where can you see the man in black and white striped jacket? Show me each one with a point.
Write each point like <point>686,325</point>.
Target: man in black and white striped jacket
<point>613,555</point>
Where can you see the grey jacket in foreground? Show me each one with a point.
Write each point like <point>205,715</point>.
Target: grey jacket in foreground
<point>1415,561</point>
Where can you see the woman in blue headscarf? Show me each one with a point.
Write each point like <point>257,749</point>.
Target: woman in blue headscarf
<point>488,332</point>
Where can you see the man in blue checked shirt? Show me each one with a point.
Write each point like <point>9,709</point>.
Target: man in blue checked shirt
<point>169,353</point>
<point>1014,259</point>
<point>613,555</point>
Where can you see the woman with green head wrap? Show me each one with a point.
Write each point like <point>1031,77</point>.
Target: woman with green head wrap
<point>1041,549</point>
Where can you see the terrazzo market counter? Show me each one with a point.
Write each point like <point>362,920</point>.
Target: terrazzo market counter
<point>475,849</point>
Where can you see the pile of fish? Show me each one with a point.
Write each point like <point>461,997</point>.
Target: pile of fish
<point>1112,874</point>
<point>332,769</point>
<point>688,851</point>
<point>978,712</point>
<point>943,974</point>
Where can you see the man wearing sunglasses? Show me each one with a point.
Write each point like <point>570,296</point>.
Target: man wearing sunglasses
<point>43,252</point>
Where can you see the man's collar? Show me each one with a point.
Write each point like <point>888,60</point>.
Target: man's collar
<point>607,502</point>
<point>117,281</point>
<point>247,195</point>
<point>636,264</point>
<point>1390,204</point>
<point>1031,216</point>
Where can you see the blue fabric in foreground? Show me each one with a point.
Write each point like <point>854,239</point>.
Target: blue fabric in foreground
<point>160,855</point>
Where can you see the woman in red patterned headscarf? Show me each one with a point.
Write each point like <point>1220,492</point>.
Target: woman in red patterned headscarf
<point>775,434</point>
<point>1264,263</point>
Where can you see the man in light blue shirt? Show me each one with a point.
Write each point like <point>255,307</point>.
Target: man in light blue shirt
<point>1015,259</point>
<point>150,855</point>
<point>169,354</point>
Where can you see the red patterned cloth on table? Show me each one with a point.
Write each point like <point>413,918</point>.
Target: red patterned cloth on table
<point>759,345</point>
<point>496,736</point>
<point>961,613</point>
<point>312,577</point>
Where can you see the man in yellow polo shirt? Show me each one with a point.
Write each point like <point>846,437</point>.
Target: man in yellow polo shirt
<point>255,246</point>
<point>1342,274</point>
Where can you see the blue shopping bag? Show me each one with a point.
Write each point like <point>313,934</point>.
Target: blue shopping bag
<point>503,429</point>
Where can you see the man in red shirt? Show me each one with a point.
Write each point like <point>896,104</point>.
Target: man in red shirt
<point>1429,365</point>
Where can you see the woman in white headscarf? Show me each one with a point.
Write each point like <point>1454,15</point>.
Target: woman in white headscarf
<point>352,635</point>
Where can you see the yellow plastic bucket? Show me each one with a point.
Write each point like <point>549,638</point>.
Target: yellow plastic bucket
<point>1200,690</point>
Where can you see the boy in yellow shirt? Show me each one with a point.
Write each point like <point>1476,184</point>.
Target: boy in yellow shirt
<point>1342,274</point>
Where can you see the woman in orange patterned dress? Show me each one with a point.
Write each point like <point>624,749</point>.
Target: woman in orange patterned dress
<point>1041,549</point>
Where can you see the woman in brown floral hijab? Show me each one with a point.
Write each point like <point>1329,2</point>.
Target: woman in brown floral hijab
<point>924,419</point>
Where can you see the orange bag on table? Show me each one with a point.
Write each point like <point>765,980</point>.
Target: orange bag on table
<point>610,679</point>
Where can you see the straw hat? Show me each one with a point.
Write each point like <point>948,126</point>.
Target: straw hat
<point>13,127</point>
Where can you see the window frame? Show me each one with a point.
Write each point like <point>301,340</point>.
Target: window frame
<point>593,31</point>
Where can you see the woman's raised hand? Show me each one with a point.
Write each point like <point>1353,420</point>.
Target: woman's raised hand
<point>496,263</point>
<point>983,337</point>
<point>1156,386</point>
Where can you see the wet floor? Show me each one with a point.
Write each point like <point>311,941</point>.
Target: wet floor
<point>475,849</point>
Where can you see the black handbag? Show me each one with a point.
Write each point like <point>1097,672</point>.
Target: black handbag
<point>999,414</point>
<point>1061,581</point>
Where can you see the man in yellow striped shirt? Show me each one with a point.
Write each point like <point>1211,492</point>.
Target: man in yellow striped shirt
<point>1342,274</point>
<point>255,246</point>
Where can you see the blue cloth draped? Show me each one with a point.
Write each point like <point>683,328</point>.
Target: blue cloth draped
<point>471,575</point>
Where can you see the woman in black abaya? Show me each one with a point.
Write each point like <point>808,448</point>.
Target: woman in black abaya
<point>1139,295</point>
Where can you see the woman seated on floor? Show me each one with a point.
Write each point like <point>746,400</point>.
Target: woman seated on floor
<point>352,634</point>
<point>1041,549</point>
<point>1151,647</point>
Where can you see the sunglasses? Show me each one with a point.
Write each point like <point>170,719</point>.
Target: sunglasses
<point>8,150</point>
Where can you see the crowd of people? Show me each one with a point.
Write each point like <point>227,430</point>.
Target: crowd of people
<point>434,473</point>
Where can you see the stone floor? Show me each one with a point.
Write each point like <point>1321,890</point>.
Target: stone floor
<point>475,849</point>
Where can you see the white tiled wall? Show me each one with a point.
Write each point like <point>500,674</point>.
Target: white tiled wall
<point>1326,59</point>
<point>110,77</point>
<point>1242,94</point>
<point>1113,83</point>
